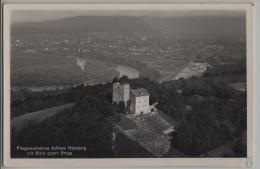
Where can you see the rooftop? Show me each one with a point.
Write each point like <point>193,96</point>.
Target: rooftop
<point>126,123</point>
<point>121,83</point>
<point>151,131</point>
<point>140,92</point>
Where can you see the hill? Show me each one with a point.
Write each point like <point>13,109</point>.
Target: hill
<point>200,26</point>
<point>210,112</point>
<point>171,27</point>
<point>81,24</point>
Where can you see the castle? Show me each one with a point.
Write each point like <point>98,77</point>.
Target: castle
<point>136,99</point>
<point>121,92</point>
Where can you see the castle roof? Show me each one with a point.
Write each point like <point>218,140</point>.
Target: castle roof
<point>140,92</point>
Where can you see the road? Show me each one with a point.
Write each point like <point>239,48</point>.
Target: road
<point>176,72</point>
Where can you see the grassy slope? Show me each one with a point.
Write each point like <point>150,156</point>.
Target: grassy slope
<point>20,122</point>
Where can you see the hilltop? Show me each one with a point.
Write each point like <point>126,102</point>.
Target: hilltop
<point>211,114</point>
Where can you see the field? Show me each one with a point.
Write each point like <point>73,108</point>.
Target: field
<point>164,66</point>
<point>34,69</point>
<point>20,122</point>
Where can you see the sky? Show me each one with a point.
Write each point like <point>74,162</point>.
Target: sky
<point>44,15</point>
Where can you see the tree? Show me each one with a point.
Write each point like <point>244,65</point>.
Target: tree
<point>124,79</point>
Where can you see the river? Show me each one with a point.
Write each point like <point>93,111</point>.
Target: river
<point>81,63</point>
<point>132,73</point>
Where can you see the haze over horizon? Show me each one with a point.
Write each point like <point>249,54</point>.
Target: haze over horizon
<point>20,16</point>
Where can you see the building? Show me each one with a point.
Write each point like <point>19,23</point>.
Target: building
<point>139,101</point>
<point>121,92</point>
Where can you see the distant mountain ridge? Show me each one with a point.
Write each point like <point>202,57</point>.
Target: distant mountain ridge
<point>81,24</point>
<point>219,26</point>
<point>205,26</point>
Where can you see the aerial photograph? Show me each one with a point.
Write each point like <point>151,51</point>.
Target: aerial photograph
<point>128,83</point>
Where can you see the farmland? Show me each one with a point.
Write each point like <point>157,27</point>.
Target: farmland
<point>20,122</point>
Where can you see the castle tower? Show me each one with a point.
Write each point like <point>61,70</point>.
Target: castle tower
<point>139,101</point>
<point>121,92</point>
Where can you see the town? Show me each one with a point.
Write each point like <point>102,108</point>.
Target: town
<point>154,58</point>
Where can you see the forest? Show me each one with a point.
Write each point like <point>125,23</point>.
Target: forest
<point>211,114</point>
